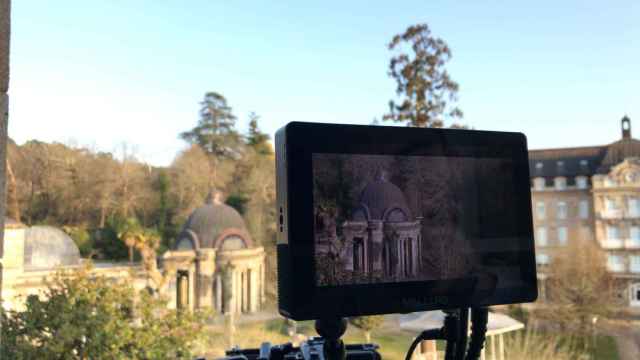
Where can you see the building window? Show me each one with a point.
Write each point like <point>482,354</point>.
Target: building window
<point>634,263</point>
<point>634,207</point>
<point>542,259</point>
<point>561,212</point>
<point>562,235</point>
<point>634,237</point>
<point>540,210</point>
<point>615,263</point>
<point>538,183</point>
<point>613,232</point>
<point>610,205</point>
<point>581,182</point>
<point>583,209</point>
<point>560,183</point>
<point>541,236</point>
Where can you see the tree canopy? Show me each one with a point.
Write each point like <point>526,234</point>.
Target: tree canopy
<point>367,324</point>
<point>426,91</point>
<point>257,139</point>
<point>215,131</point>
<point>93,195</point>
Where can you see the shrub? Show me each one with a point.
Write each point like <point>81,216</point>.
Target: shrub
<point>82,316</point>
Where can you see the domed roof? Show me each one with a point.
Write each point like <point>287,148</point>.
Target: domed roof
<point>212,220</point>
<point>383,201</point>
<point>48,247</point>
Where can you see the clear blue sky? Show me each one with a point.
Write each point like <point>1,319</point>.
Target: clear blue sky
<point>100,73</point>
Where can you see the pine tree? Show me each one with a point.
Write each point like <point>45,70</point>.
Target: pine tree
<point>215,131</point>
<point>422,82</point>
<point>257,139</point>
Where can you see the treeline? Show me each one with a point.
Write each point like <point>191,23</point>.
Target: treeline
<point>92,194</point>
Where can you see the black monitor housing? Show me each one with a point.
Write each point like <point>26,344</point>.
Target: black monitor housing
<point>381,219</point>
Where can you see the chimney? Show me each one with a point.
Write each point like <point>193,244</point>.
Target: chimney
<point>626,127</point>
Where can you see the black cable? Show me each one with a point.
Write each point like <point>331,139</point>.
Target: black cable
<point>455,331</point>
<point>432,334</point>
<point>479,319</point>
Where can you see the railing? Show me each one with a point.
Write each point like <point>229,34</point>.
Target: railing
<point>612,243</point>
<point>632,214</point>
<point>615,267</point>
<point>632,243</point>
<point>619,214</point>
<point>612,214</point>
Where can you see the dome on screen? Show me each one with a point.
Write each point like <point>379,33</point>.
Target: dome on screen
<point>382,200</point>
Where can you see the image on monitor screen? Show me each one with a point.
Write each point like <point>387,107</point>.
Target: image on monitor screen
<point>382,218</point>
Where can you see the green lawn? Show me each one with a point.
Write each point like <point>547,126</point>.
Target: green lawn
<point>606,348</point>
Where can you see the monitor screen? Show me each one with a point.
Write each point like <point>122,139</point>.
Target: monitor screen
<point>390,219</point>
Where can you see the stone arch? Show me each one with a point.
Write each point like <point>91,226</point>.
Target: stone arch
<point>362,211</point>
<point>192,237</point>
<point>395,213</point>
<point>246,239</point>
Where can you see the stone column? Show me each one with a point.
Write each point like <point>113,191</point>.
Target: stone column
<point>197,284</point>
<point>219,294</point>
<point>192,287</point>
<point>5,33</point>
<point>375,234</point>
<point>262,282</point>
<point>400,260</point>
<point>237,291</point>
<point>415,254</point>
<point>228,291</point>
<point>247,290</point>
<point>243,291</point>
<point>254,284</point>
<point>205,267</point>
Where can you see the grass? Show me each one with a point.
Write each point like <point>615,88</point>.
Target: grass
<point>606,348</point>
<point>549,345</point>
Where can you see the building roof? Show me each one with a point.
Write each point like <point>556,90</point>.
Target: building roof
<point>46,247</point>
<point>379,198</point>
<point>212,220</point>
<point>588,161</point>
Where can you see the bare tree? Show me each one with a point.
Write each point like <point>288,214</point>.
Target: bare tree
<point>13,207</point>
<point>579,286</point>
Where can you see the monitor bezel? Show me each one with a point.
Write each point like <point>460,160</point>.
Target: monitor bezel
<point>312,301</point>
